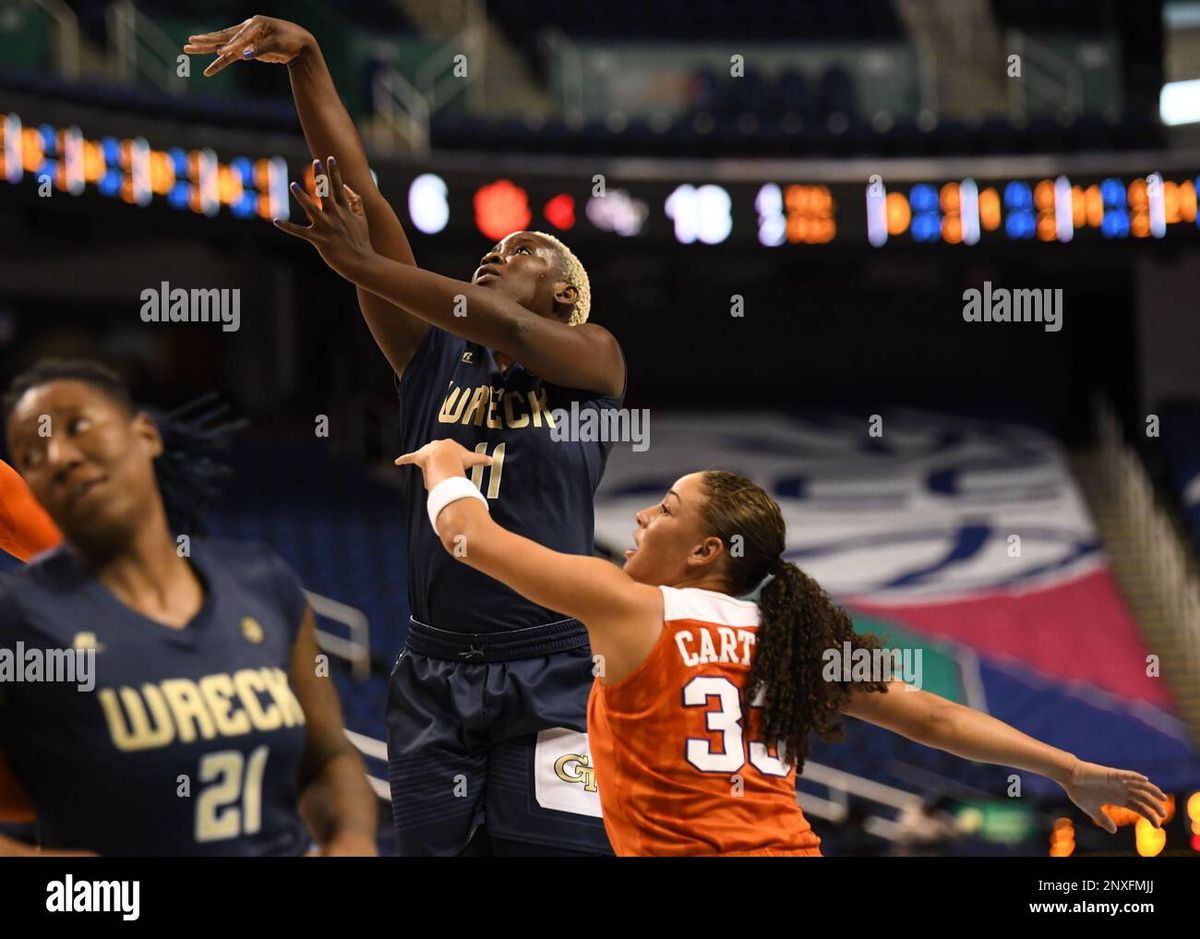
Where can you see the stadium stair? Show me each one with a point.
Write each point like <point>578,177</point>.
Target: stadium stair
<point>1156,573</point>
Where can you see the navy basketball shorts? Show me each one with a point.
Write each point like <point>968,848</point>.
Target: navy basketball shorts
<point>483,733</point>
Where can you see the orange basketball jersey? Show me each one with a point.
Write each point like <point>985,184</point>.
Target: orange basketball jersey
<point>677,763</point>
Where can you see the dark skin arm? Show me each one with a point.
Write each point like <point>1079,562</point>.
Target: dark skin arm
<point>328,129</point>
<point>335,799</point>
<point>585,357</point>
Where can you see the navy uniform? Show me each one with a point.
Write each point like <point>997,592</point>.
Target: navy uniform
<point>190,741</point>
<point>488,700</point>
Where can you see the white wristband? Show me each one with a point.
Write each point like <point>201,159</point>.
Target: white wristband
<point>451,490</point>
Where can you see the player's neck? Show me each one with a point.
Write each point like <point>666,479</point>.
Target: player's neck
<point>151,577</point>
<point>711,582</point>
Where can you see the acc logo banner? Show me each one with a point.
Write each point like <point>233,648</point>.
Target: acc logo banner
<point>564,777</point>
<point>937,507</point>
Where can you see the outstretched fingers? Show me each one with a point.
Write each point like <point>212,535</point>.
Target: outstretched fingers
<point>306,202</point>
<point>336,186</point>
<point>300,231</point>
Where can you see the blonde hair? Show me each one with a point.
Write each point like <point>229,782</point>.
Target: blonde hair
<point>574,274</point>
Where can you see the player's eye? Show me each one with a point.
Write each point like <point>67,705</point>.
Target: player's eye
<point>523,248</point>
<point>665,510</point>
<point>78,425</point>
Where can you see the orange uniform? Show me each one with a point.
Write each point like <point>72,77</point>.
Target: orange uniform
<point>25,528</point>
<point>679,770</point>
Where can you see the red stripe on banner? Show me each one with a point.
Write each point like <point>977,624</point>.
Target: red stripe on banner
<point>1078,631</point>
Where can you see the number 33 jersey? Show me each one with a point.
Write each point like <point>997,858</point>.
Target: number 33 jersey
<point>678,765</point>
<point>134,738</point>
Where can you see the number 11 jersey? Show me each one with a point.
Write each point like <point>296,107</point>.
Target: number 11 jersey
<point>546,465</point>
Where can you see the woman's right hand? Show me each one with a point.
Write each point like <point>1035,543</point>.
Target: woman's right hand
<point>263,38</point>
<point>442,459</point>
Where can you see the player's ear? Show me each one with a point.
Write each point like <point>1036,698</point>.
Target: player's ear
<point>147,431</point>
<point>707,552</point>
<point>566,294</point>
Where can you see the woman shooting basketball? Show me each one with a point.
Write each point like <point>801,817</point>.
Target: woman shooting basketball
<point>485,673</point>
<point>699,688</point>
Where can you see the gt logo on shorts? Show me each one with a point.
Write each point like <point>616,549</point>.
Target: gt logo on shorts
<point>576,768</point>
<point>564,778</point>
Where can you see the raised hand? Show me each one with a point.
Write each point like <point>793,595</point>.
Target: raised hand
<point>337,227</point>
<point>1091,785</point>
<point>262,38</point>
<point>441,459</point>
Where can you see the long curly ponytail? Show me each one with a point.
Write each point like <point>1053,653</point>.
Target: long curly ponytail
<point>798,621</point>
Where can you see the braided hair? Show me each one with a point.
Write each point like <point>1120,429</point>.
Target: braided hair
<point>188,471</point>
<point>797,620</point>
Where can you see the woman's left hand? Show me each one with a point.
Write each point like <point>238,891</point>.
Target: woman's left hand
<point>441,459</point>
<point>338,226</point>
<point>1092,786</point>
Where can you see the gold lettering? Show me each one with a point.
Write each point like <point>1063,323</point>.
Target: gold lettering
<point>509,418</point>
<point>218,691</point>
<point>476,409</point>
<point>277,684</point>
<point>537,404</point>
<point>187,704</point>
<point>248,683</point>
<point>138,734</point>
<point>449,414</point>
<point>493,419</point>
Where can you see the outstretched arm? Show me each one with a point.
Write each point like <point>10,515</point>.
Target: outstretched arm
<point>585,357</point>
<point>936,722</point>
<point>623,617</point>
<point>328,129</point>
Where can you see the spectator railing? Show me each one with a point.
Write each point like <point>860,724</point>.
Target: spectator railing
<point>138,49</point>
<point>354,648</point>
<point>66,36</point>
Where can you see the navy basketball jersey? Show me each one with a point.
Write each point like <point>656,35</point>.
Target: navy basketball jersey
<point>190,741</point>
<point>537,486</point>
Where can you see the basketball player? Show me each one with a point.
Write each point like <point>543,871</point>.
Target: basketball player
<point>484,671</point>
<point>700,716</point>
<point>205,729</point>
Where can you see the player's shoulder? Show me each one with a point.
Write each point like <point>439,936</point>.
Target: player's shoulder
<point>255,568</point>
<point>51,575</point>
<point>53,569</point>
<point>707,606</point>
<point>246,560</point>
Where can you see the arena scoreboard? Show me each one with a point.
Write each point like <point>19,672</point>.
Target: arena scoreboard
<point>778,214</point>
